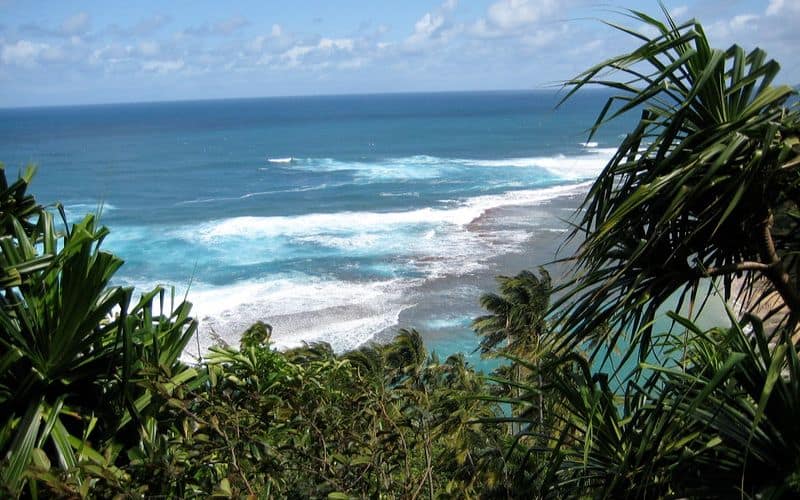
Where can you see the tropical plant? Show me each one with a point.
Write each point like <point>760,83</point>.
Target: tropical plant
<point>693,192</point>
<point>716,423</point>
<point>705,188</point>
<point>74,351</point>
<point>518,319</point>
<point>16,204</point>
<point>517,314</point>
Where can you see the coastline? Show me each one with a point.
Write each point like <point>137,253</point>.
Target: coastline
<point>440,305</point>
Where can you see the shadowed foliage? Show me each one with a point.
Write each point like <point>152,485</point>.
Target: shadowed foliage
<point>704,188</point>
<point>693,192</point>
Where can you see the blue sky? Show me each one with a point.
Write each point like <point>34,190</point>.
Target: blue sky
<point>69,52</point>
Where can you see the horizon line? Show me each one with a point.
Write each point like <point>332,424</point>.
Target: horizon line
<point>286,96</point>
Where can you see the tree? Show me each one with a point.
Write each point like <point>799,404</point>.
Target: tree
<point>518,318</point>
<point>705,188</point>
<point>694,191</point>
<point>517,315</point>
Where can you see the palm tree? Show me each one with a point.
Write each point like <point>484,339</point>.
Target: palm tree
<point>407,359</point>
<point>694,191</point>
<point>517,315</point>
<point>518,318</point>
<point>723,427</point>
<point>406,356</point>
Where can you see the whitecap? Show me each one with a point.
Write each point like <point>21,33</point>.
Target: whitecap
<point>252,227</point>
<point>411,194</point>
<point>448,322</point>
<point>435,169</point>
<point>574,167</point>
<point>300,308</point>
<point>256,194</point>
<point>89,207</point>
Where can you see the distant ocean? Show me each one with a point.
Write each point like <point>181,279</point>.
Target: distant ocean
<point>336,219</point>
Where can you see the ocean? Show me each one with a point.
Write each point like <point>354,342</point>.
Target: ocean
<point>333,218</point>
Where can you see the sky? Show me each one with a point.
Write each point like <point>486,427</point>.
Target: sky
<point>69,52</point>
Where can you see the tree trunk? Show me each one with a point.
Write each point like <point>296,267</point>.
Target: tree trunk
<point>776,273</point>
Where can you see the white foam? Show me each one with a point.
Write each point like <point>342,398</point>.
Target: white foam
<point>301,308</point>
<point>280,160</point>
<point>412,194</point>
<point>256,194</point>
<point>251,227</point>
<point>403,168</point>
<point>348,243</point>
<point>579,167</point>
<point>448,322</point>
<point>569,167</point>
<point>89,206</point>
<point>343,335</point>
<point>434,241</point>
<point>589,144</point>
<point>284,295</point>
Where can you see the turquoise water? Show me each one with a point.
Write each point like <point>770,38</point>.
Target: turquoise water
<point>334,218</point>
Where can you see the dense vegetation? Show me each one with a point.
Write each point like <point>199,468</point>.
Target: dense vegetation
<point>593,399</point>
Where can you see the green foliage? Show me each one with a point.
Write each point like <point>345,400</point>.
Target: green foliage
<point>309,423</point>
<point>76,357</point>
<point>693,191</point>
<point>96,402</point>
<point>517,313</point>
<point>714,422</point>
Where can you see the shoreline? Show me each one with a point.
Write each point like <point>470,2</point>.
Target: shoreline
<point>440,305</point>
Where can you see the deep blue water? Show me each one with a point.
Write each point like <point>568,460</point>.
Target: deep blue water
<point>327,216</point>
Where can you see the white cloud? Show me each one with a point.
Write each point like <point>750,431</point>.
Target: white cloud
<point>726,29</point>
<point>229,26</point>
<point>149,48</point>
<point>427,27</point>
<point>224,27</point>
<point>543,37</point>
<point>679,12</point>
<point>336,44</point>
<point>590,47</point>
<point>504,43</point>
<point>23,53</point>
<point>76,25</point>
<point>433,26</point>
<point>777,7</point>
<point>276,39</point>
<point>163,67</point>
<point>355,63</point>
<point>324,49</point>
<point>513,14</point>
<point>108,53</point>
<point>742,20</point>
<point>481,29</point>
<point>145,26</point>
